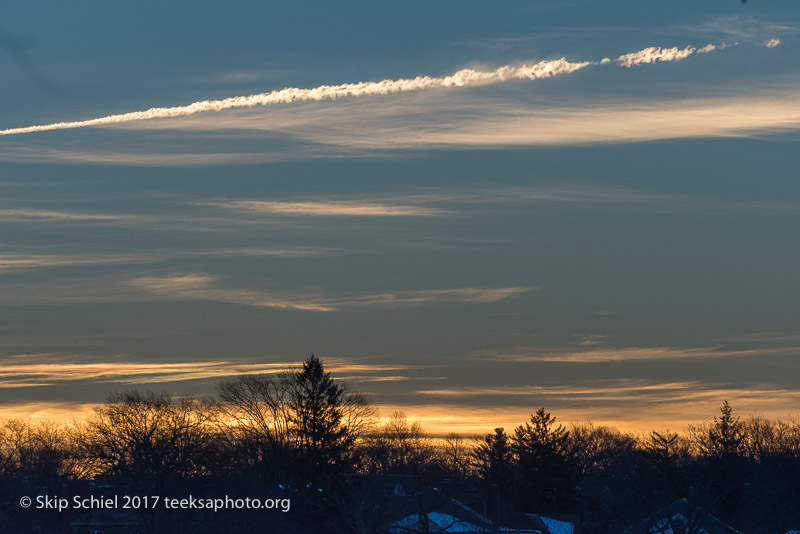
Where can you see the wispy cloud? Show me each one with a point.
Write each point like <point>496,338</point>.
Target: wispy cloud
<point>645,395</point>
<point>773,337</point>
<point>192,286</point>
<point>608,389</point>
<point>433,122</point>
<point>331,208</point>
<point>38,370</point>
<point>20,261</point>
<point>638,405</point>
<point>739,27</point>
<point>604,354</point>
<point>426,203</point>
<point>221,213</point>
<point>39,215</point>
<point>413,298</point>
<point>289,252</point>
<point>512,195</point>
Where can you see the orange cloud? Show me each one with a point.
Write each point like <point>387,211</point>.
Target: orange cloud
<point>45,369</point>
<point>626,404</point>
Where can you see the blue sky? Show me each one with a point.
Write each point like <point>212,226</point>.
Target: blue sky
<point>615,241</point>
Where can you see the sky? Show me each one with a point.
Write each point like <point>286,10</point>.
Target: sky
<point>467,209</point>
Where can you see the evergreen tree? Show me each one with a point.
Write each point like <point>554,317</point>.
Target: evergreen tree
<point>726,467</point>
<point>546,476</point>
<point>316,413</point>
<point>493,458</point>
<point>726,435</point>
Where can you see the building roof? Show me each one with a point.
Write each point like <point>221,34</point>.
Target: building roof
<point>679,517</point>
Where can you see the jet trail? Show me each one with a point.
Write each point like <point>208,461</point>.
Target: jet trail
<point>461,78</point>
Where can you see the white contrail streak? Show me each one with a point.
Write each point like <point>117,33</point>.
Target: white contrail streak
<point>656,53</point>
<point>462,78</point>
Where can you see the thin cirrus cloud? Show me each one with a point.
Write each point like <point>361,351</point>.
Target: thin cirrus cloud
<point>428,203</point>
<point>641,399</point>
<point>738,27</point>
<point>33,215</point>
<point>604,354</point>
<point>172,220</point>
<point>628,404</point>
<point>11,262</point>
<point>348,208</point>
<point>192,286</point>
<point>366,128</point>
<point>246,212</point>
<point>22,261</point>
<point>200,287</point>
<point>478,122</point>
<point>647,394</point>
<point>48,216</point>
<point>37,370</point>
<point>609,390</point>
<point>412,298</point>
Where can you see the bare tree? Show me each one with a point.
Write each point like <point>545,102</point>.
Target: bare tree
<point>253,415</point>
<point>398,447</point>
<point>38,450</point>
<point>456,456</point>
<point>146,438</point>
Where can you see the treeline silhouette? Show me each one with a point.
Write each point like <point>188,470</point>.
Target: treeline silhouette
<point>304,436</point>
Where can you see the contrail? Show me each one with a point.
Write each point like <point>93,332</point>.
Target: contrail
<point>656,53</point>
<point>461,78</point>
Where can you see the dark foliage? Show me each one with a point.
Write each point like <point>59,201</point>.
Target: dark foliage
<point>545,473</point>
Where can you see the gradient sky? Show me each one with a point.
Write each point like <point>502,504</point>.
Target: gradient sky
<point>619,243</point>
